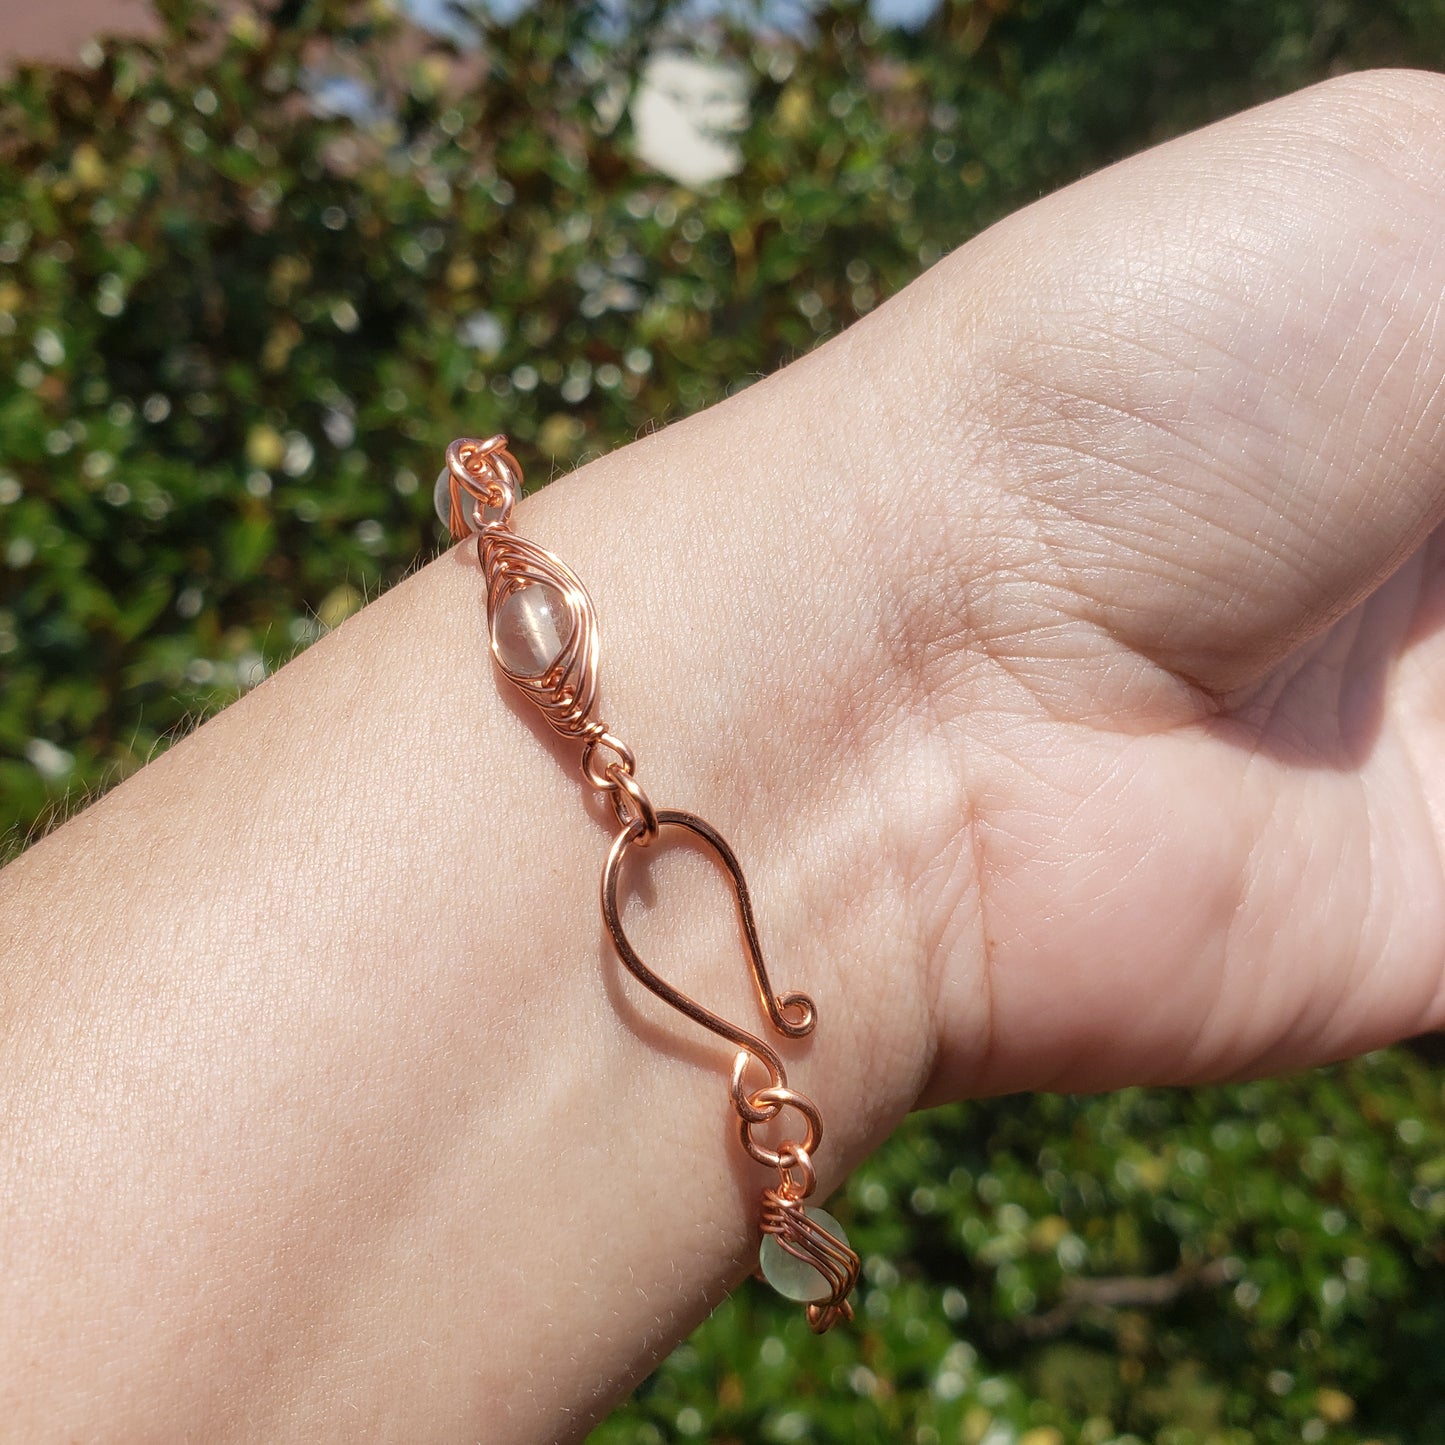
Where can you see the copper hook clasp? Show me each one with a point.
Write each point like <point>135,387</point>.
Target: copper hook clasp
<point>778,1007</point>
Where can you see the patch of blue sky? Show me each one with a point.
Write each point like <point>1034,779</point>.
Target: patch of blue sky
<point>443,17</point>
<point>341,95</point>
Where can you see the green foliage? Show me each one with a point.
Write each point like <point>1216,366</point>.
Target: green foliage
<point>235,336</point>
<point>1191,1267</point>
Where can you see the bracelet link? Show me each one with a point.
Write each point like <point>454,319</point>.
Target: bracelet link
<point>632,805</point>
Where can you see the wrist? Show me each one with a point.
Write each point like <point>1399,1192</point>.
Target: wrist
<point>681,675</point>
<point>750,657</point>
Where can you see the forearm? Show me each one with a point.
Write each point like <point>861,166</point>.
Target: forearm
<point>329,1110</point>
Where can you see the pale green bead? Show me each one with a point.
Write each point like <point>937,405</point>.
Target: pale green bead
<point>796,1279</point>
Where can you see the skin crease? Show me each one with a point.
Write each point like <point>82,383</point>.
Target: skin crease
<point>1060,651</point>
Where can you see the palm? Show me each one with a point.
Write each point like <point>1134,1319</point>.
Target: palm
<point>1254,888</point>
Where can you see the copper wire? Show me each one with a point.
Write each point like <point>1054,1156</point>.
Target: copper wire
<point>776,1006</point>
<point>631,804</point>
<point>804,1238</point>
<point>484,477</point>
<point>565,693</point>
<point>481,472</point>
<point>781,1097</point>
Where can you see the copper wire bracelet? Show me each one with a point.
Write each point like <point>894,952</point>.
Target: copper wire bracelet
<point>543,631</point>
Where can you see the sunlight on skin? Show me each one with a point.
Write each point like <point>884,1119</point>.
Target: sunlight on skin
<point>1059,649</point>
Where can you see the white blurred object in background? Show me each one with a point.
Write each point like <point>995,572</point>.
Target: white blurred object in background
<point>685,115</point>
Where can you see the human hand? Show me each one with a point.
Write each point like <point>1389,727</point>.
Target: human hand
<point>1191,633</point>
<point>1145,676</point>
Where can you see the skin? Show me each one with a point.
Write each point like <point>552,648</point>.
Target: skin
<point>1060,651</point>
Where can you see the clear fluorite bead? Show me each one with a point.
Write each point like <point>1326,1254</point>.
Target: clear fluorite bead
<point>793,1278</point>
<point>531,628</point>
<point>441,498</point>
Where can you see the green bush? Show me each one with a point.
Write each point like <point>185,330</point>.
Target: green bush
<point>235,335</point>
<point>1205,1267</point>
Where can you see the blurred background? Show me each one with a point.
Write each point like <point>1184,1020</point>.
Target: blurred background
<point>259,263</point>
